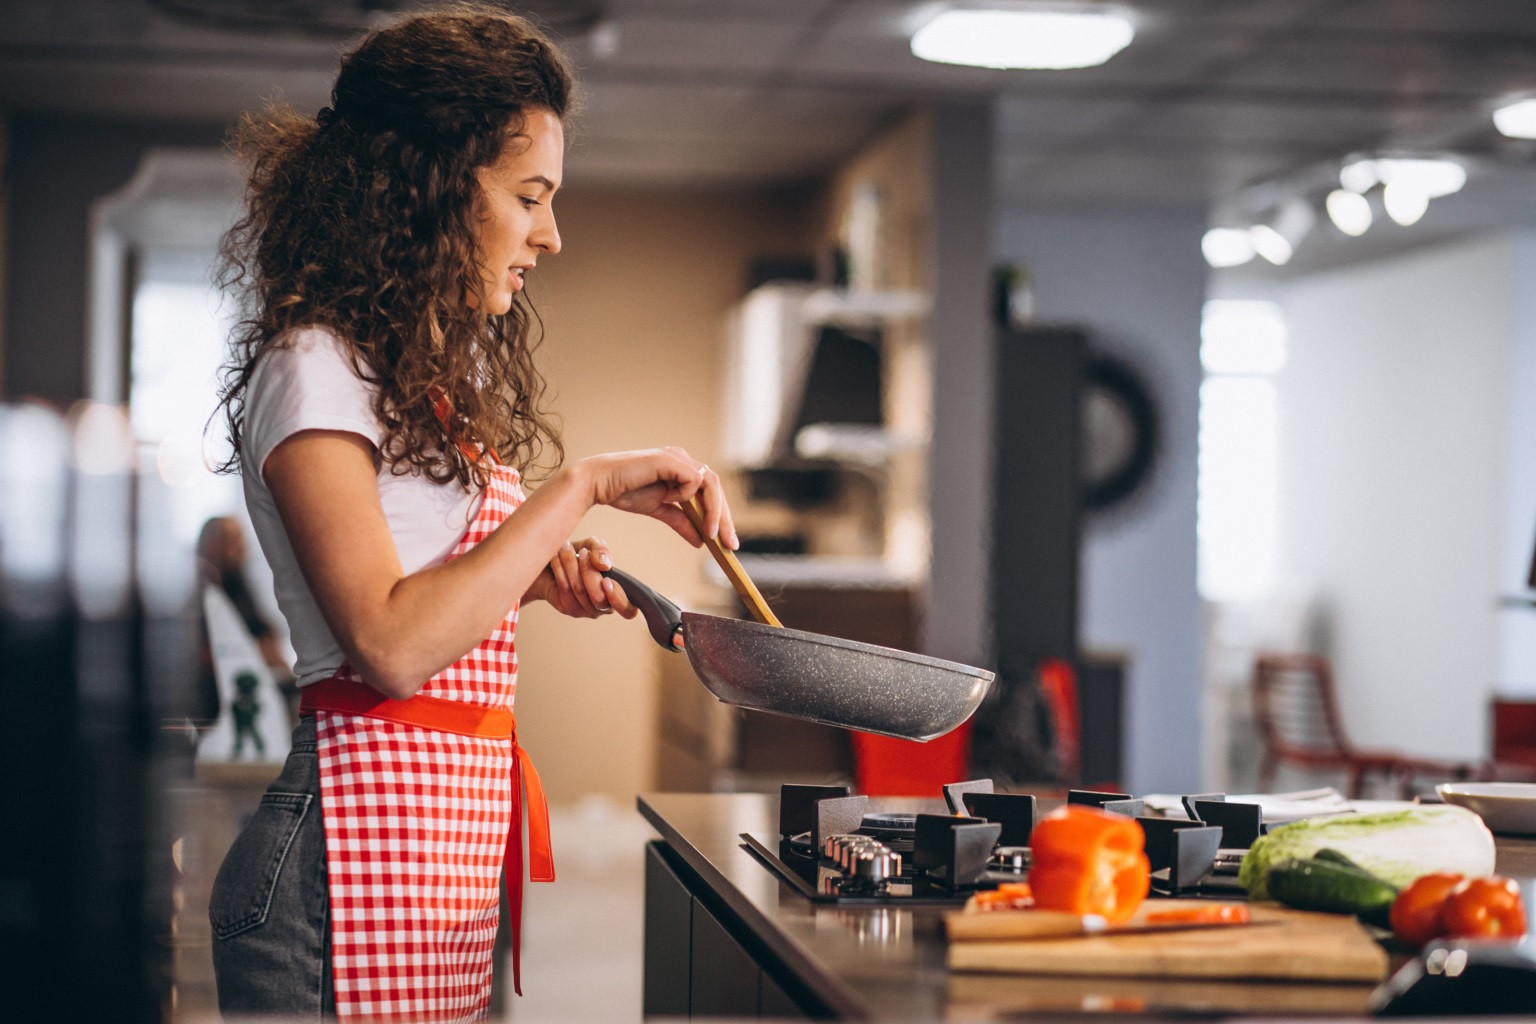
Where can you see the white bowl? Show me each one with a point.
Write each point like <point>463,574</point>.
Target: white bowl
<point>1508,807</point>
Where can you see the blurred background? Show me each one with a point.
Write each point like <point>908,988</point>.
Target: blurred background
<point>1110,378</point>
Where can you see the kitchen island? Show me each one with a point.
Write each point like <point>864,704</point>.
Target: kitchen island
<point>727,936</point>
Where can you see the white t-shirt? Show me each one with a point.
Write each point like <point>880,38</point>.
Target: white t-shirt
<point>310,385</point>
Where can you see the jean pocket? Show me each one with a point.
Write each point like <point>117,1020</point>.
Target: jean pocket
<point>247,880</point>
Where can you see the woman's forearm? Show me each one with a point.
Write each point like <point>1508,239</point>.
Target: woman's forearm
<point>428,619</point>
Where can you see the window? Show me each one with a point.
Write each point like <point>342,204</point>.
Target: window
<point>1242,347</point>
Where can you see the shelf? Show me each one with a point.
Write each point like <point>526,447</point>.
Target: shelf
<point>839,306</point>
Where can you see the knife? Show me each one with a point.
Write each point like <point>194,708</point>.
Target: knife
<point>1003,925</point>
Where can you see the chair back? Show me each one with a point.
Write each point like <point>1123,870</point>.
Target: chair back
<point>1514,731</point>
<point>1296,709</point>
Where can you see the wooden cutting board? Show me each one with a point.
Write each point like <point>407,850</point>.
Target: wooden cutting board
<point>1295,944</point>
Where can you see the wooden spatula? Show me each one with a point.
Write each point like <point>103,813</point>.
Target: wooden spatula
<point>740,581</point>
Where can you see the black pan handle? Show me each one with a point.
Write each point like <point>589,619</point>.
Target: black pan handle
<point>663,618</point>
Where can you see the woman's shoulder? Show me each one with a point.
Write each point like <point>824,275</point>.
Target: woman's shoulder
<point>307,379</point>
<point>309,354</point>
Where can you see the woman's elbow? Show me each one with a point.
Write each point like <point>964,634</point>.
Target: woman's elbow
<point>386,672</point>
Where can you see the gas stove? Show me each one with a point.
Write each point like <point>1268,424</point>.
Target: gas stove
<point>833,848</point>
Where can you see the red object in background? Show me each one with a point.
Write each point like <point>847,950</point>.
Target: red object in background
<point>1058,687</point>
<point>1514,732</point>
<point>883,766</point>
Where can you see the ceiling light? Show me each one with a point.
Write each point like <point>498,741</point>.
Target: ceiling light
<point>1270,244</point>
<point>1517,120</point>
<point>1433,176</point>
<point>1405,202</point>
<point>1050,38</point>
<point>1349,211</point>
<point>1227,247</point>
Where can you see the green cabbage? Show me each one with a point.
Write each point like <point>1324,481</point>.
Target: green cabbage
<point>1396,846</point>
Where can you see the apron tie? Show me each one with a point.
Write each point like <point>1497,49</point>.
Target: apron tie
<point>348,697</point>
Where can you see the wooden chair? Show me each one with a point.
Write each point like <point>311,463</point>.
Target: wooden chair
<point>1514,739</point>
<point>1297,709</point>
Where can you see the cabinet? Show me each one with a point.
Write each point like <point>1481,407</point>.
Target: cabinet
<point>695,964</point>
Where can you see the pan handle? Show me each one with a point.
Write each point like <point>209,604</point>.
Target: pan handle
<point>663,618</point>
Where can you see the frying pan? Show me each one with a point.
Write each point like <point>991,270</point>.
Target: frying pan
<point>819,678</point>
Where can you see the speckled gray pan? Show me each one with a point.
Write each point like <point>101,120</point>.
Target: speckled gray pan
<point>836,682</point>
<point>820,678</point>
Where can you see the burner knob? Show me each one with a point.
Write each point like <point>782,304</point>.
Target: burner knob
<point>875,865</point>
<point>856,847</point>
<point>837,848</point>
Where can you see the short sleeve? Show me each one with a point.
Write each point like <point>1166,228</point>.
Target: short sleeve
<point>307,384</point>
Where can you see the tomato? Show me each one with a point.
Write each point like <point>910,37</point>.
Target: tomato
<point>1485,908</point>
<point>1416,913</point>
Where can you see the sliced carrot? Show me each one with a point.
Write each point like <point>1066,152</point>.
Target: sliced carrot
<point>1215,913</point>
<point>1007,896</point>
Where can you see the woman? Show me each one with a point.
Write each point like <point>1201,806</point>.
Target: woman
<point>381,394</point>
<point>221,557</point>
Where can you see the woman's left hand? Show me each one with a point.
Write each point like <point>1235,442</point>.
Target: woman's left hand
<point>574,584</point>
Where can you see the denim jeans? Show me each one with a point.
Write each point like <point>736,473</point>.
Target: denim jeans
<point>270,907</point>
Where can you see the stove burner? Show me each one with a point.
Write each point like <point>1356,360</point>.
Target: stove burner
<point>872,857</point>
<point>1009,858</point>
<point>889,825</point>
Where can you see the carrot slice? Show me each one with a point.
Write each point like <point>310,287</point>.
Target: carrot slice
<point>1215,913</point>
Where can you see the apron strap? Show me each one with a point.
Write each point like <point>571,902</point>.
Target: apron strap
<point>349,697</point>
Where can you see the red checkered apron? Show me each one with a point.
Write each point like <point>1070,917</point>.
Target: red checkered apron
<point>422,807</point>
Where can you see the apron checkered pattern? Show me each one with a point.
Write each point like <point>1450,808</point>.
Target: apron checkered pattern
<point>417,823</point>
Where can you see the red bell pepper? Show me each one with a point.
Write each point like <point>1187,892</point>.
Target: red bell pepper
<point>1088,861</point>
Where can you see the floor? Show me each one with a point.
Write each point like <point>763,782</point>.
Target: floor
<point>583,934</point>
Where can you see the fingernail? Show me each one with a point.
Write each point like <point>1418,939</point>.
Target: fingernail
<point>603,560</point>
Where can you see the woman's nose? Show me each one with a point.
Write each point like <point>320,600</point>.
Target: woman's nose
<point>546,236</point>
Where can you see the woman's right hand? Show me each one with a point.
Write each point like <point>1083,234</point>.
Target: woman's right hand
<point>653,482</point>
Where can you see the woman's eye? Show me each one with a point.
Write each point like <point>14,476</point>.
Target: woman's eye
<point>528,202</point>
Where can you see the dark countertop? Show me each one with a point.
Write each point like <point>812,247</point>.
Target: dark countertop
<point>888,964</point>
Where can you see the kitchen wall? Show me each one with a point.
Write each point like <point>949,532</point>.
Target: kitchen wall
<point>57,167</point>
<point>5,223</point>
<point>1408,483</point>
<point>1517,624</point>
<point>634,310</point>
<point>1136,281</point>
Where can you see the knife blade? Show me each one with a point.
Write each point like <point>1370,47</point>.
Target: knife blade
<point>1002,925</point>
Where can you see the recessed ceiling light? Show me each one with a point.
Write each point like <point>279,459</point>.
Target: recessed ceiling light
<point>1226,247</point>
<point>1349,211</point>
<point>1043,38</point>
<point>1270,244</point>
<point>1517,120</point>
<point>1405,202</point>
<point>1433,176</point>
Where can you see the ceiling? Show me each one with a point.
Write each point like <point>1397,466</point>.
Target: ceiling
<point>1214,102</point>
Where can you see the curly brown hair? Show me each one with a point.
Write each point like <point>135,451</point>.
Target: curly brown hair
<point>362,220</point>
